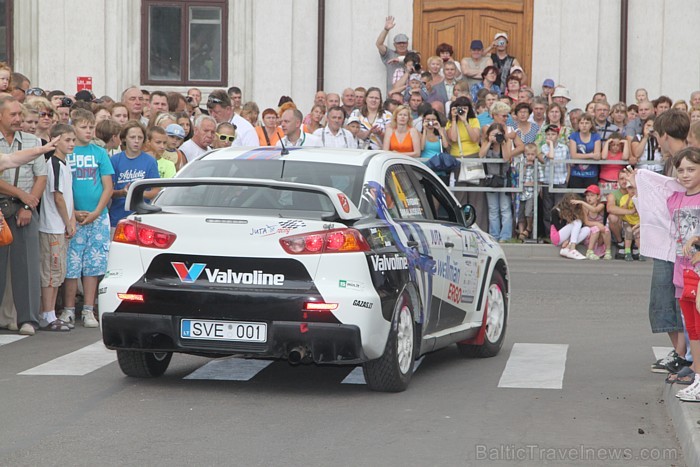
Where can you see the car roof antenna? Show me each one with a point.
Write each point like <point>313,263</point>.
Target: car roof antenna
<point>285,151</point>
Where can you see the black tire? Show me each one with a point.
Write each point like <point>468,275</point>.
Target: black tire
<point>143,364</point>
<point>492,343</point>
<point>393,370</point>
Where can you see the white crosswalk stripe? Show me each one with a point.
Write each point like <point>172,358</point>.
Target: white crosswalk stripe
<point>78,363</point>
<point>535,366</point>
<point>10,338</point>
<point>356,376</point>
<point>230,369</point>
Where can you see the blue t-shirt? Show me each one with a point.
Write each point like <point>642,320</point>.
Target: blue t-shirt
<point>88,164</point>
<point>584,170</point>
<point>127,171</point>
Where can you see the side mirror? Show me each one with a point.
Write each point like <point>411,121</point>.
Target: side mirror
<point>469,215</point>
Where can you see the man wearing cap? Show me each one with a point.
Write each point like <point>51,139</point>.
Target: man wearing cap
<point>547,88</point>
<point>473,66</point>
<point>391,58</point>
<point>500,58</point>
<point>333,135</point>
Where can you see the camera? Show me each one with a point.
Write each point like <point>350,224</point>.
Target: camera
<point>500,138</point>
<point>430,124</point>
<point>416,67</point>
<point>189,99</point>
<point>461,111</point>
<point>66,102</point>
<point>501,43</point>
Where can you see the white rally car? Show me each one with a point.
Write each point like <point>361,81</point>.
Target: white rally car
<point>311,255</point>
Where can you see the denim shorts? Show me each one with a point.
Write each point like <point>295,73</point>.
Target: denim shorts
<point>664,310</point>
<point>87,251</point>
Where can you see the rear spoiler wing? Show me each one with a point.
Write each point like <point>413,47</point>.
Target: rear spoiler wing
<point>344,207</point>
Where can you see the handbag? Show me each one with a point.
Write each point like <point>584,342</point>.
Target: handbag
<point>9,205</point>
<point>469,172</point>
<point>690,285</point>
<point>495,181</point>
<point>443,162</point>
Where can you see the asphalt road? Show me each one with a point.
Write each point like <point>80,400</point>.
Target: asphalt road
<point>454,412</point>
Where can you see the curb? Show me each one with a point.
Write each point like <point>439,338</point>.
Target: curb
<point>686,418</point>
<point>529,250</point>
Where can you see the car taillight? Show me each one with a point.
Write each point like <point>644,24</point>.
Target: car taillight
<point>135,233</point>
<point>319,306</point>
<point>131,297</point>
<point>327,241</point>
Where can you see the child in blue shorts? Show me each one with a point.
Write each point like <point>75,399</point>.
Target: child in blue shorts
<point>92,189</point>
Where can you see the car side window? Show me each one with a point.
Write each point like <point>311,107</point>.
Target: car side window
<point>440,203</point>
<point>404,196</point>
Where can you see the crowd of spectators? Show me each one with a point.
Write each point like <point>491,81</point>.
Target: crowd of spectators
<point>472,108</point>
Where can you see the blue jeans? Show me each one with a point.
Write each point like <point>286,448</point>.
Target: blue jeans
<point>500,215</point>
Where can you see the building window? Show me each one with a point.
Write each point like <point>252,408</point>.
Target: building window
<point>184,42</point>
<point>6,31</point>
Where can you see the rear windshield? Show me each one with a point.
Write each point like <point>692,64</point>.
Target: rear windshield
<point>346,178</point>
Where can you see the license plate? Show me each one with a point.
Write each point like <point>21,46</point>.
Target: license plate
<point>237,331</point>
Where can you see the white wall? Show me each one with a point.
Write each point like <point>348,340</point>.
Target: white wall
<point>272,45</point>
<point>577,43</point>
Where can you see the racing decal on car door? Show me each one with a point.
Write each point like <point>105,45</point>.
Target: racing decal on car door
<point>421,265</point>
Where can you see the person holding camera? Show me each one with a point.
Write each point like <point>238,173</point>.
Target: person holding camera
<point>463,130</point>
<point>645,147</point>
<point>402,76</point>
<point>501,59</point>
<point>433,139</point>
<point>496,146</point>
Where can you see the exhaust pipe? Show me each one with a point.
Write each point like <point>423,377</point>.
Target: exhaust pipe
<point>296,355</point>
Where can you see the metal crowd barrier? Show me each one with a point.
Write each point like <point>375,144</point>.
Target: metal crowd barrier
<point>520,163</point>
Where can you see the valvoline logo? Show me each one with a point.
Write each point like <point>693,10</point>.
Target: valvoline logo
<point>188,275</point>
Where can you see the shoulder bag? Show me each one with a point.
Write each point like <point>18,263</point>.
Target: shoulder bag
<point>469,172</point>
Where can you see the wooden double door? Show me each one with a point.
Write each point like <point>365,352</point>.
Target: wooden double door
<point>458,22</point>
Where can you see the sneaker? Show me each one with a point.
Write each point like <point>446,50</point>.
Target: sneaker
<point>564,252</point>
<point>27,330</point>
<point>642,258</point>
<point>675,365</point>
<point>591,255</point>
<point>89,320</point>
<point>574,254</point>
<point>660,365</point>
<point>628,257</point>
<point>68,317</point>
<point>608,255</point>
<point>691,391</point>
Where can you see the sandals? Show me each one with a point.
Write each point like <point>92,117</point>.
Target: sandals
<point>55,326</point>
<point>684,377</point>
<point>524,235</point>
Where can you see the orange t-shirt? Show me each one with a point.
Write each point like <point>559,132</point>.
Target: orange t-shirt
<point>404,146</point>
<point>273,138</point>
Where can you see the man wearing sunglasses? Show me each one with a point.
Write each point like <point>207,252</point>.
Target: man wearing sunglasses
<point>219,106</point>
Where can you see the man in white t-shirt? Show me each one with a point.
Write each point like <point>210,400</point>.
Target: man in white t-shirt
<point>333,135</point>
<point>220,107</point>
<point>293,135</point>
<point>204,129</point>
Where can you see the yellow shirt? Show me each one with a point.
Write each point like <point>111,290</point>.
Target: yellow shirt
<point>469,147</point>
<point>626,203</point>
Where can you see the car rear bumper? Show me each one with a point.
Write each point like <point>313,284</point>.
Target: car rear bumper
<point>321,342</point>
